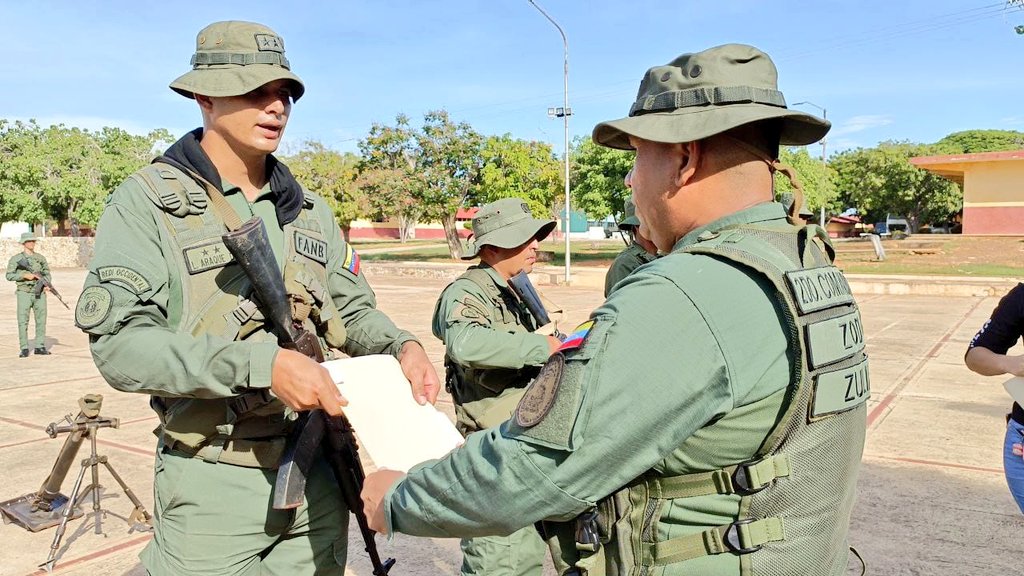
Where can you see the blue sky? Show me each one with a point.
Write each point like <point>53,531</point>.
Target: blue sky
<point>899,69</point>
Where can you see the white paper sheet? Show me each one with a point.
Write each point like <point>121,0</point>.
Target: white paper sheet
<point>1015,386</point>
<point>395,431</point>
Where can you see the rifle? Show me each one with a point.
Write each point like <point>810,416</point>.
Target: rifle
<point>521,285</point>
<point>41,282</point>
<point>251,249</point>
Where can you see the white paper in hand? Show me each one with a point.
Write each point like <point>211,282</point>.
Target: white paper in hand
<point>395,431</point>
<point>1015,386</point>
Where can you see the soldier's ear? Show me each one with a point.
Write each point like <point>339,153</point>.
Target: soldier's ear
<point>691,154</point>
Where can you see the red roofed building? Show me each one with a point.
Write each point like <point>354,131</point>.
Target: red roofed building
<point>993,184</point>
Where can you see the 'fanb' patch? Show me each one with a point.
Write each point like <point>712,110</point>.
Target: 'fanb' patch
<point>578,336</point>
<point>206,257</point>
<point>540,394</point>
<point>351,262</point>
<point>310,247</point>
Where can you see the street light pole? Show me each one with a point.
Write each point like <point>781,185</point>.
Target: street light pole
<point>564,112</point>
<point>824,161</point>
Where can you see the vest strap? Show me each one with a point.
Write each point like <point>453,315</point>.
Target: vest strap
<point>746,478</point>
<point>740,537</point>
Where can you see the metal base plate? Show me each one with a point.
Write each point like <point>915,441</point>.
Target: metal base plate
<point>19,511</point>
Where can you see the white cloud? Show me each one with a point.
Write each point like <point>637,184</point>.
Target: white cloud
<point>862,123</point>
<point>1012,120</point>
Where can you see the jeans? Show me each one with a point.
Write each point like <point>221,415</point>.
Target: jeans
<point>1013,464</point>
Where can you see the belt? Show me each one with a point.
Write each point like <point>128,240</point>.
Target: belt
<point>249,453</point>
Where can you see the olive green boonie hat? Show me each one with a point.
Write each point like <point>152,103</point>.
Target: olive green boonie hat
<point>233,58</point>
<point>703,94</point>
<point>629,214</point>
<point>27,237</point>
<point>506,223</point>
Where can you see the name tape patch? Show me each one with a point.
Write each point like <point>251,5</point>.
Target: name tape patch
<point>540,394</point>
<point>312,248</point>
<point>834,339</point>
<point>93,307</point>
<point>123,276</point>
<point>819,288</point>
<point>207,256</point>
<point>841,390</point>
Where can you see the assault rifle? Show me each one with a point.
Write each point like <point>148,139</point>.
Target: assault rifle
<point>251,249</point>
<point>521,285</point>
<point>41,282</point>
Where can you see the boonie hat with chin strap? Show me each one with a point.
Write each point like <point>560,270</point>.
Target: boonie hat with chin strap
<point>506,223</point>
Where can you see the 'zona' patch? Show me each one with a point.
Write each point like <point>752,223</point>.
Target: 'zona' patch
<point>93,307</point>
<point>123,276</point>
<point>540,394</point>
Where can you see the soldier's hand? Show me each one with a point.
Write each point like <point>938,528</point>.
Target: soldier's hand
<point>46,289</point>
<point>375,488</point>
<point>553,344</point>
<point>30,276</point>
<point>420,373</point>
<point>302,384</point>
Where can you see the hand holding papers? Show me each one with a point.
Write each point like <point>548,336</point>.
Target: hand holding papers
<point>395,431</point>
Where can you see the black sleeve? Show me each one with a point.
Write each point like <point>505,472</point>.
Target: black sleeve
<point>1005,326</point>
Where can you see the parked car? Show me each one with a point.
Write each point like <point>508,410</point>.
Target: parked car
<point>610,228</point>
<point>893,227</point>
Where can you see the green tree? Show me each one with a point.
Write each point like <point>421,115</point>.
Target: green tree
<point>972,141</point>
<point>20,197</point>
<point>817,181</point>
<point>332,175</point>
<point>389,179</point>
<point>881,180</point>
<point>597,178</point>
<point>514,168</point>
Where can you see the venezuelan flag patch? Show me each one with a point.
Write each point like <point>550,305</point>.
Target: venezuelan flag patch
<point>351,262</point>
<point>578,336</point>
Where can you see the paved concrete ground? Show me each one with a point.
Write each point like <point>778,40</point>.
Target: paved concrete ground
<point>932,499</point>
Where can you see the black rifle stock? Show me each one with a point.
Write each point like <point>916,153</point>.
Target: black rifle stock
<point>251,249</point>
<point>41,281</point>
<point>521,285</point>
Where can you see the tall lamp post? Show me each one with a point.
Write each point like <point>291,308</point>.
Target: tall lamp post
<point>564,112</point>
<point>824,161</point>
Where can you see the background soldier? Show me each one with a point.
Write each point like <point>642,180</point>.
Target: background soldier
<point>168,314</point>
<point>491,354</point>
<point>25,290</point>
<point>639,252</point>
<point>710,418</point>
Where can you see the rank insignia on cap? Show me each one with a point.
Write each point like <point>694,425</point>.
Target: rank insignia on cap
<point>351,262</point>
<point>578,336</point>
<point>540,394</point>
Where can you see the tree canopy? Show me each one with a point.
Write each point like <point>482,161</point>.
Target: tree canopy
<point>973,141</point>
<point>332,175</point>
<point>597,178</point>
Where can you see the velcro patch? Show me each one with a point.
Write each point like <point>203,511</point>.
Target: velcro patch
<point>123,276</point>
<point>351,262</point>
<point>310,247</point>
<point>207,256</point>
<point>578,336</point>
<point>93,307</point>
<point>269,43</point>
<point>819,288</point>
<point>540,394</point>
<point>840,390</point>
<point>834,339</point>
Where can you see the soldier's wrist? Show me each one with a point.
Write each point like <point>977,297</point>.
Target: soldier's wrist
<point>261,364</point>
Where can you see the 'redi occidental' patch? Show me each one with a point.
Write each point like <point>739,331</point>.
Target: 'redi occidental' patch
<point>540,395</point>
<point>93,307</point>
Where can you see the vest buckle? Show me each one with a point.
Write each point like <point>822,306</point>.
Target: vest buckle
<point>741,480</point>
<point>731,537</point>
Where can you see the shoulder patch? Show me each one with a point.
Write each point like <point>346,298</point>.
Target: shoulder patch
<point>207,256</point>
<point>578,336</point>
<point>541,393</point>
<point>124,276</point>
<point>93,307</point>
<point>351,261</point>
<point>310,247</point>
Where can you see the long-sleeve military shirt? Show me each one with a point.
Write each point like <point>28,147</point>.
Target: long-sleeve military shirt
<point>681,341</point>
<point>137,350</point>
<point>633,257</point>
<point>38,265</point>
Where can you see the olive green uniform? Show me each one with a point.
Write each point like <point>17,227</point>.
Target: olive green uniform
<point>491,354</point>
<point>27,301</point>
<point>686,371</point>
<point>154,330</point>
<point>633,257</point>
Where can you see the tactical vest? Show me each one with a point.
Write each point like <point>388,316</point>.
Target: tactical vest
<point>36,264</point>
<point>485,397</point>
<point>794,497</point>
<point>210,296</point>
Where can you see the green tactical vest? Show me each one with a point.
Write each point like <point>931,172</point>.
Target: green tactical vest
<point>793,499</point>
<point>35,262</point>
<point>209,296</point>
<point>486,397</point>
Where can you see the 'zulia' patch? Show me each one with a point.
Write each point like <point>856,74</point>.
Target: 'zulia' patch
<point>93,307</point>
<point>351,262</point>
<point>578,336</point>
<point>540,394</point>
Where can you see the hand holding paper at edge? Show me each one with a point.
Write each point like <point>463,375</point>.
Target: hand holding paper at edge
<point>396,432</point>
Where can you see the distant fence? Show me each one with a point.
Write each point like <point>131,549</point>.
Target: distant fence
<point>60,251</point>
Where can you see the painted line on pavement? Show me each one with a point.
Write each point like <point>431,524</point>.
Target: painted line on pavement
<point>92,556</point>
<point>937,463</point>
<point>49,383</point>
<point>878,413</point>
<point>118,445</point>
<point>12,444</point>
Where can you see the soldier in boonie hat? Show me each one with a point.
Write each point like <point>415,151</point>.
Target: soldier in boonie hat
<point>506,223</point>
<point>639,249</point>
<point>233,58</point>
<point>29,302</point>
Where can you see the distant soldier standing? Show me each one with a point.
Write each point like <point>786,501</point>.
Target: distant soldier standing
<point>639,252</point>
<point>492,351</point>
<point>25,291</point>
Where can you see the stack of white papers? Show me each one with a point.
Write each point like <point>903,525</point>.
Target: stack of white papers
<point>396,432</point>
<point>1015,386</point>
